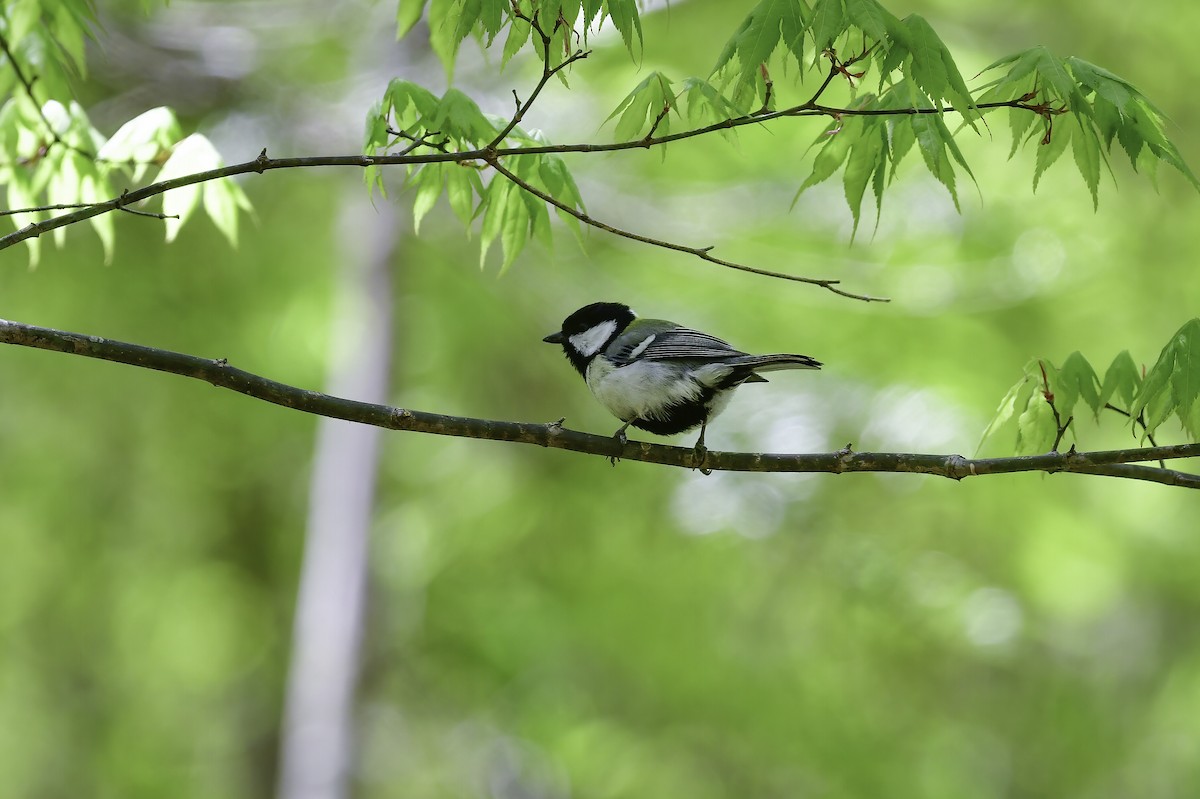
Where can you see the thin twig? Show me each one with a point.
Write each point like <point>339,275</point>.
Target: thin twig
<point>1060,425</point>
<point>218,372</point>
<point>150,214</point>
<point>423,140</point>
<point>700,252</point>
<point>666,109</point>
<point>36,208</point>
<point>1141,419</point>
<point>548,72</point>
<point>27,85</point>
<point>264,164</point>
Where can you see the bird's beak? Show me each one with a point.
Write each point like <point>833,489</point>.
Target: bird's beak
<point>554,338</point>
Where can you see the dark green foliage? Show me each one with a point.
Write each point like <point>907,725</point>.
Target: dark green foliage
<point>1096,105</point>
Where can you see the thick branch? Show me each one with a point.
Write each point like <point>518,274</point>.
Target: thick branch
<point>1114,463</point>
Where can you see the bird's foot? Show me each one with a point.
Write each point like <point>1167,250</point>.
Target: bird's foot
<point>700,458</point>
<point>621,440</point>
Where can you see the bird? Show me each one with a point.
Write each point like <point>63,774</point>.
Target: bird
<point>656,375</point>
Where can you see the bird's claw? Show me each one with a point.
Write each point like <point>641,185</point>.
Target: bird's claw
<point>700,458</point>
<point>622,440</point>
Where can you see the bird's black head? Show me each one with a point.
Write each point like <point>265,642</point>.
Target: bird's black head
<point>589,330</point>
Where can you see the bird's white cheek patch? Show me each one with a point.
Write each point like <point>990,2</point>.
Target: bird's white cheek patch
<point>590,341</point>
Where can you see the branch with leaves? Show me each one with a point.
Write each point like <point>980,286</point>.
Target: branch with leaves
<point>218,372</point>
<point>918,84</point>
<point>1042,404</point>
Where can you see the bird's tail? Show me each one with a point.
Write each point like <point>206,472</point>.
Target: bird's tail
<point>772,363</point>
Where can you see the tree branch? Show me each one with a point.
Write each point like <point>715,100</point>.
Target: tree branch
<point>1113,463</point>
<point>490,155</point>
<point>699,252</point>
<point>1141,419</point>
<point>548,72</point>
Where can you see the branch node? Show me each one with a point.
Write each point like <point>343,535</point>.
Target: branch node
<point>844,456</point>
<point>261,162</point>
<point>958,467</point>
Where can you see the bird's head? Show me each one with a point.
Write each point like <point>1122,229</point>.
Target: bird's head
<point>589,330</point>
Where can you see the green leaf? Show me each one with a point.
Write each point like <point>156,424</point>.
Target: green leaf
<point>871,18</point>
<point>828,22</point>
<point>1076,380</point>
<point>93,189</point>
<point>143,137</point>
<point>1122,379</point>
<point>63,186</point>
<point>193,154</point>
<point>499,197</point>
<point>407,16</point>
<point>459,117</point>
<point>1005,410</point>
<point>1036,427</point>
<point>933,68</point>
<point>1185,379</point>
<point>428,183</point>
<point>518,35</point>
<point>903,138</point>
<point>1049,152</point>
<point>460,191</point>
<point>1154,388</point>
<point>451,21</point>
<point>705,104</point>
<point>932,135</point>
<point>1116,90</point>
<point>628,22</point>
<point>839,138</point>
<point>1052,70</point>
<point>768,23</point>
<point>514,231</point>
<point>21,196</point>
<point>645,102</point>
<point>1085,147</point>
<point>868,156</point>
<point>223,199</point>
<point>1019,122</point>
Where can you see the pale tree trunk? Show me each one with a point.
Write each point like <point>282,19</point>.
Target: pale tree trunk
<point>317,749</point>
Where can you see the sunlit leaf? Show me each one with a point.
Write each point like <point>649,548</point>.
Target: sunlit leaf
<point>193,154</point>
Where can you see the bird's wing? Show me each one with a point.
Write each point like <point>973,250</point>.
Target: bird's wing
<point>660,343</point>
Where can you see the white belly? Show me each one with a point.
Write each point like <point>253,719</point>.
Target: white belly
<point>646,389</point>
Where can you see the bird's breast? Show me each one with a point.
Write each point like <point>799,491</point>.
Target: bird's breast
<point>643,389</point>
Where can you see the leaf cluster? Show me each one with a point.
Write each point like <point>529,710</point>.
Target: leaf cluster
<point>46,41</point>
<point>914,82</point>
<point>452,21</point>
<point>1096,108</point>
<point>51,154</point>
<point>1044,401</point>
<point>412,116</point>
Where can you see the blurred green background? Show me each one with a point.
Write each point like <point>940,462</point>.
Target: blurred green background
<point>541,624</point>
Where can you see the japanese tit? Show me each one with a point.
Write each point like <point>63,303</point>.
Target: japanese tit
<point>657,375</point>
